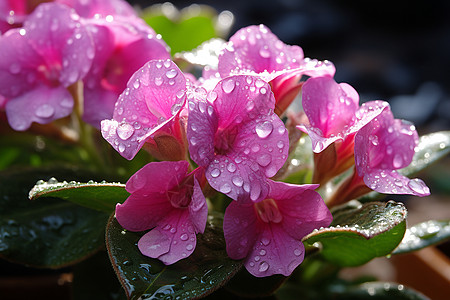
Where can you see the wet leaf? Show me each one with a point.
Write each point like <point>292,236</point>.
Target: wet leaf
<point>360,233</point>
<point>207,269</point>
<point>299,164</point>
<point>101,196</point>
<point>431,148</point>
<point>423,235</point>
<point>346,291</point>
<point>49,232</point>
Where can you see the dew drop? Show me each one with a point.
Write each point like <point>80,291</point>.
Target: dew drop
<point>231,167</point>
<point>158,81</point>
<point>250,105</point>
<point>121,148</point>
<point>263,91</point>
<point>262,252</point>
<point>125,131</point>
<point>215,173</point>
<point>212,96</point>
<point>237,180</point>
<point>398,183</point>
<point>397,161</point>
<point>172,73</point>
<point>264,129</point>
<point>297,252</point>
<point>264,52</point>
<point>264,160</point>
<point>184,237</point>
<point>228,86</point>
<point>225,188</point>
<point>418,186</point>
<point>263,266</point>
<point>45,111</point>
<point>189,247</point>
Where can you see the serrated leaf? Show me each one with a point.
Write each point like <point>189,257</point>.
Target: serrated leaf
<point>207,269</point>
<point>48,233</point>
<point>423,235</point>
<point>431,148</point>
<point>101,196</point>
<point>359,234</point>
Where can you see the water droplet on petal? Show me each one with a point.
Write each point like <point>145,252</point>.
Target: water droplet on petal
<point>263,266</point>
<point>215,173</point>
<point>231,167</point>
<point>158,81</point>
<point>172,73</point>
<point>418,186</point>
<point>184,237</point>
<point>225,188</point>
<point>264,52</point>
<point>136,84</point>
<point>397,161</point>
<point>237,180</point>
<point>264,129</point>
<point>264,160</point>
<point>297,252</point>
<point>121,148</point>
<point>45,111</point>
<point>265,241</point>
<point>189,247</point>
<point>228,86</point>
<point>125,131</point>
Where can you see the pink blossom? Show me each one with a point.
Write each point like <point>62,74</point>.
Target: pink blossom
<point>88,9</point>
<point>39,62</point>
<point>255,50</point>
<point>268,234</point>
<point>148,112</point>
<point>121,48</point>
<point>334,117</point>
<point>235,135</point>
<point>168,200</point>
<point>382,147</point>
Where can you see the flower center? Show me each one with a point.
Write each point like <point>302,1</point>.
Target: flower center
<point>268,211</point>
<point>180,196</point>
<point>224,140</point>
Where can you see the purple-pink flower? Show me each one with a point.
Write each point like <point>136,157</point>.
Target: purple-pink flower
<point>255,50</point>
<point>334,117</point>
<point>384,146</point>
<point>122,46</point>
<point>168,200</point>
<point>268,233</point>
<point>148,112</point>
<point>40,61</point>
<point>236,136</point>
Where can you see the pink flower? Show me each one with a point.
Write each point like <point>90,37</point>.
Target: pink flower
<point>88,9</point>
<point>169,201</point>
<point>383,146</point>
<point>255,50</point>
<point>39,62</point>
<point>268,234</point>
<point>148,112</point>
<point>235,135</point>
<point>121,48</point>
<point>334,117</point>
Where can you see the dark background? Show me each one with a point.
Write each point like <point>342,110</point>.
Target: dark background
<point>389,50</point>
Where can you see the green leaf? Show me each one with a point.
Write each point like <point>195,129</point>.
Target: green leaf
<point>361,233</point>
<point>182,30</point>
<point>101,196</point>
<point>423,235</point>
<point>345,291</point>
<point>47,233</point>
<point>431,148</point>
<point>299,165</point>
<point>207,269</point>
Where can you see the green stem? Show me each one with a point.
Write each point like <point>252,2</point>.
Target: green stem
<point>86,131</point>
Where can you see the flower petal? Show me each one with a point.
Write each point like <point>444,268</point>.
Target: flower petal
<point>178,226</point>
<point>256,48</point>
<point>239,229</point>
<point>154,95</point>
<point>42,105</point>
<point>391,182</point>
<point>198,210</point>
<point>154,243</point>
<point>274,252</point>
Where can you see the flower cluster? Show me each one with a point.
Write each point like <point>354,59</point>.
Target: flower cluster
<point>221,133</point>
